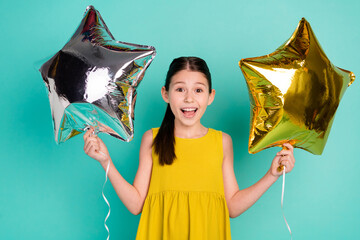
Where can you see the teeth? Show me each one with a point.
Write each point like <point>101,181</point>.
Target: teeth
<point>188,109</point>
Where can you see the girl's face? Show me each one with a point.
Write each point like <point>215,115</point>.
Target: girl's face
<point>188,96</point>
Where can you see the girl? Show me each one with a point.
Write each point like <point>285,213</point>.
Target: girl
<point>185,186</point>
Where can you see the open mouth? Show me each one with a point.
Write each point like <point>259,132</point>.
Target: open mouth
<point>189,112</point>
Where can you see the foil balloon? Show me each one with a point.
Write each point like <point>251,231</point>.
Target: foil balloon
<point>294,93</point>
<point>92,81</point>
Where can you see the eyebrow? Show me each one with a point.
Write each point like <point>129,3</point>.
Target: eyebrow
<point>180,82</point>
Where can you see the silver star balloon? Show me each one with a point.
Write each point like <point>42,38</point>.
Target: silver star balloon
<point>92,81</point>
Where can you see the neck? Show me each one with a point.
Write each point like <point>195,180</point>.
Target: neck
<point>195,131</point>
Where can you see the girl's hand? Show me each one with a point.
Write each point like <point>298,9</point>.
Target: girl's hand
<point>95,147</point>
<point>283,158</point>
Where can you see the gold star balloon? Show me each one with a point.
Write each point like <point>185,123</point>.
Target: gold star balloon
<point>294,93</point>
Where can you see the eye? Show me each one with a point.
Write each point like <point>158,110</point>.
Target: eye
<point>199,90</point>
<point>179,89</point>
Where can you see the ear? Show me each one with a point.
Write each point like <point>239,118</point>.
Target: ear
<point>211,96</point>
<point>165,94</point>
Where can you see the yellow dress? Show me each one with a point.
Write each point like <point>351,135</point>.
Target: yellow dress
<point>186,200</point>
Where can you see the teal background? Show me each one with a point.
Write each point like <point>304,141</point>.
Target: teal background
<point>50,191</point>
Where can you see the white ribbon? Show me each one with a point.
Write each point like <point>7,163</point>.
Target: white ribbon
<point>282,201</point>
<point>105,199</point>
<point>96,131</point>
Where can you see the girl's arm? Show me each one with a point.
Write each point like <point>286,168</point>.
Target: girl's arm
<point>132,196</point>
<point>238,201</point>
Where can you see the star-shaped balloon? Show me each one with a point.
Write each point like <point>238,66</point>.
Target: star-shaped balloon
<point>294,93</point>
<point>92,81</point>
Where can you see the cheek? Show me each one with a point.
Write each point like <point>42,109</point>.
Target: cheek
<point>205,101</point>
<point>173,99</point>
<point>172,109</point>
<point>174,103</point>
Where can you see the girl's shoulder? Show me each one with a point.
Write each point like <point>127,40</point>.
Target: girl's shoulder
<point>224,134</point>
<point>154,131</point>
<point>226,138</point>
<point>148,136</point>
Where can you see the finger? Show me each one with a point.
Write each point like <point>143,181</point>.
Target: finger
<point>283,157</point>
<point>99,141</point>
<point>91,147</point>
<point>87,149</point>
<point>89,138</point>
<point>90,150</point>
<point>291,157</point>
<point>276,159</point>
<point>88,132</point>
<point>284,162</point>
<point>90,141</point>
<point>289,146</point>
<point>287,163</point>
<point>284,153</point>
<point>287,166</point>
<point>279,166</point>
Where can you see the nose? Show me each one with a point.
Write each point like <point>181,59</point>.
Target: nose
<point>188,97</point>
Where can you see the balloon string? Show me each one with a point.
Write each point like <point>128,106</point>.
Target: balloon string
<point>96,131</point>
<point>282,202</point>
<point>105,199</point>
